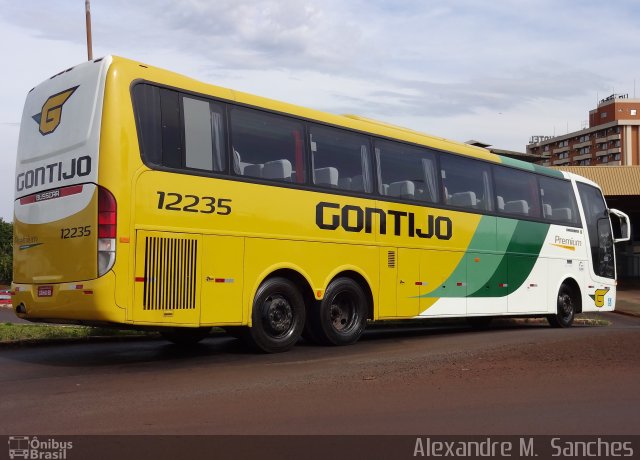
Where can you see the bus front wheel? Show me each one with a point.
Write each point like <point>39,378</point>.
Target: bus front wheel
<point>278,316</point>
<point>341,316</point>
<point>566,307</point>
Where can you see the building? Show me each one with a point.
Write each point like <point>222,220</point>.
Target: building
<point>621,189</point>
<point>505,153</point>
<point>611,139</point>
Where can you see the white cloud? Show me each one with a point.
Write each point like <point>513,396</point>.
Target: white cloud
<point>496,71</point>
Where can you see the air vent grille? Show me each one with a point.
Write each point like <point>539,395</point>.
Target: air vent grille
<point>170,273</point>
<point>391,259</point>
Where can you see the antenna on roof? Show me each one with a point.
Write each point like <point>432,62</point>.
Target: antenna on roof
<point>87,9</point>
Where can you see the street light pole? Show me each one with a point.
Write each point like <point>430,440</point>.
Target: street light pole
<point>87,8</point>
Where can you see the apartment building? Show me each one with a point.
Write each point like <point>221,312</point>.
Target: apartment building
<point>612,138</point>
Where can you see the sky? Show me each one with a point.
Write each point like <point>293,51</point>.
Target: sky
<point>495,71</point>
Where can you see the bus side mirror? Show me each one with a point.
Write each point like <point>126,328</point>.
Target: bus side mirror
<point>621,232</point>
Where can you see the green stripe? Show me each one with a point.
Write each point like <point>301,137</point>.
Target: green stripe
<point>483,240</point>
<point>527,237</point>
<point>531,167</point>
<point>508,258</point>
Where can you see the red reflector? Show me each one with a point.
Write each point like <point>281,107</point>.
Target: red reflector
<point>106,218</point>
<point>88,292</point>
<point>71,190</point>
<point>51,194</point>
<point>139,279</point>
<point>106,231</point>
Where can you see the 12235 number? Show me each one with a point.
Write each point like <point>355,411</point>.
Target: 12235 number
<point>192,203</point>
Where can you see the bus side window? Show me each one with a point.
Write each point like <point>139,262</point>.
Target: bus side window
<point>467,183</point>
<point>519,190</point>
<point>267,146</point>
<point>146,99</point>
<point>203,135</point>
<point>407,172</point>
<point>340,159</point>
<point>558,201</point>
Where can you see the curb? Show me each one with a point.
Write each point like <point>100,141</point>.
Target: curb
<point>71,340</point>
<point>627,313</point>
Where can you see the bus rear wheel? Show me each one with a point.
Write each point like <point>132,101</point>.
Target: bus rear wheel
<point>566,307</point>
<point>278,316</point>
<point>185,336</point>
<point>341,316</point>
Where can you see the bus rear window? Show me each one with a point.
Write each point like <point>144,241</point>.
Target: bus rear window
<point>179,131</point>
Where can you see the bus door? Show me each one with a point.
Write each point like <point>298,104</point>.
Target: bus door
<point>408,294</point>
<point>487,283</point>
<point>388,279</point>
<point>222,272</point>
<point>443,283</point>
<point>527,283</point>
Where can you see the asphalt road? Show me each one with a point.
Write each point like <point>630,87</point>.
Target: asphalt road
<point>8,316</point>
<point>510,379</point>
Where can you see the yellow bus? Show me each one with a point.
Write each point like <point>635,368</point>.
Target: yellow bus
<point>147,199</point>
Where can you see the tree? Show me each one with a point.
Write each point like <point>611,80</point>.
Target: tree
<point>6,252</point>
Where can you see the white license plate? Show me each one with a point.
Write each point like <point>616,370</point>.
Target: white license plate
<point>45,291</point>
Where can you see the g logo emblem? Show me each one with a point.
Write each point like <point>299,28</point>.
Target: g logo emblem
<point>51,115</point>
<point>598,297</point>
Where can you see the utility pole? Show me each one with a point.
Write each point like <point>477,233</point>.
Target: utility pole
<point>87,9</point>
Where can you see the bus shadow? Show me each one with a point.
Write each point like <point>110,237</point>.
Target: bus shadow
<point>126,352</point>
<point>130,355</point>
<point>444,327</point>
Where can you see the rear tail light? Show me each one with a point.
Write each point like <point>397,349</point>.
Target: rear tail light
<point>107,216</point>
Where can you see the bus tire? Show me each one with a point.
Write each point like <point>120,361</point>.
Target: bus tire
<point>278,316</point>
<point>185,336</point>
<point>341,315</point>
<point>566,307</point>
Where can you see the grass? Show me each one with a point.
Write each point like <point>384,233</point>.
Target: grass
<point>15,333</point>
<point>10,333</point>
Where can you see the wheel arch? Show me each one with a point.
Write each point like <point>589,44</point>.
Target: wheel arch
<point>297,278</point>
<point>573,284</point>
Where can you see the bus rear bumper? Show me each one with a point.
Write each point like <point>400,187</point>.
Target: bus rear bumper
<point>77,302</point>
